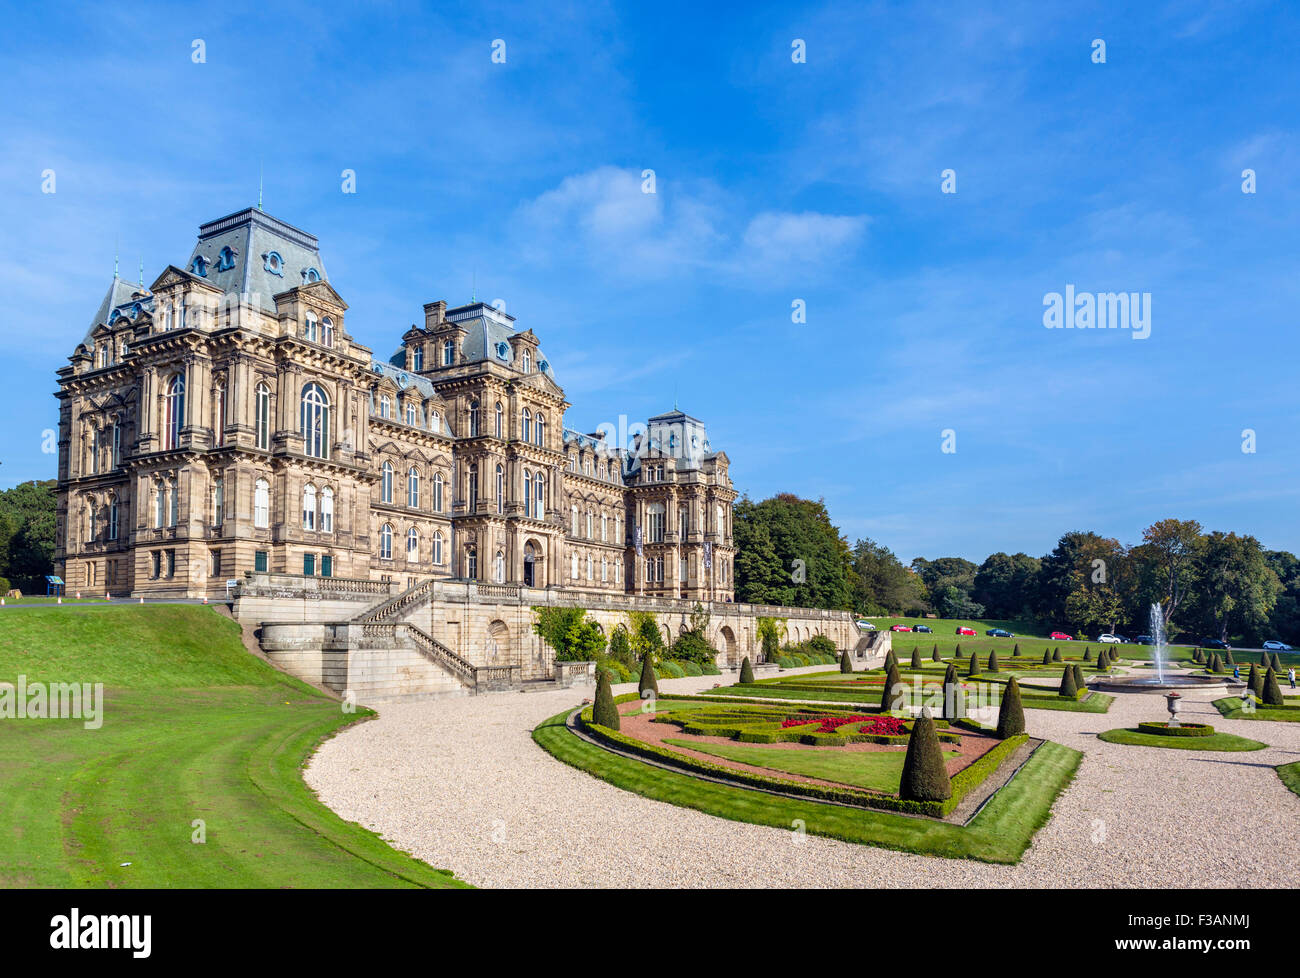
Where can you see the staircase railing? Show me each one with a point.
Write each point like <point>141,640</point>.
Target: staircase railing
<point>439,654</point>
<point>399,604</point>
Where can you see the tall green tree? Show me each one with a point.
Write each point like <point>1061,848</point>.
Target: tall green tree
<point>815,560</point>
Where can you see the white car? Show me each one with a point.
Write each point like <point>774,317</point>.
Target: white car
<point>1109,639</point>
<point>866,626</point>
<point>1278,647</point>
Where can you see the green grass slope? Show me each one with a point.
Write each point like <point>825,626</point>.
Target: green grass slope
<point>195,730</point>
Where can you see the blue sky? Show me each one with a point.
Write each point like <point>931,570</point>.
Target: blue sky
<point>775,181</point>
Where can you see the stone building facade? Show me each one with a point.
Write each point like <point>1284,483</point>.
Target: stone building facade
<point>223,421</point>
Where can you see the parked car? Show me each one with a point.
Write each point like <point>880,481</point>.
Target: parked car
<point>1216,643</point>
<point>1062,637</point>
<point>866,626</point>
<point>1275,646</point>
<point>1144,640</point>
<point>923,628</point>
<point>1109,639</point>
<point>963,630</point>
<point>999,633</point>
<point>900,628</point>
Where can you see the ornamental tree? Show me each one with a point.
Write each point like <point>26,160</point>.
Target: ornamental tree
<point>1069,688</point>
<point>887,694</point>
<point>1011,713</point>
<point>1272,692</point>
<point>746,671</point>
<point>648,682</point>
<point>846,664</point>
<point>925,776</point>
<point>604,713</point>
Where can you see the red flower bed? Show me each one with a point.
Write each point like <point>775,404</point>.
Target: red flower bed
<point>886,726</point>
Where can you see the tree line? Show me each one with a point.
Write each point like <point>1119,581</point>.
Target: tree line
<point>27,518</point>
<point>1208,584</point>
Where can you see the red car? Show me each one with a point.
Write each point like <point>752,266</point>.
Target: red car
<point>900,628</point>
<point>963,630</point>
<point>1061,637</point>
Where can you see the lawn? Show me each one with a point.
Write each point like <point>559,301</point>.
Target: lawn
<point>1290,775</point>
<point>195,730</point>
<point>1000,833</point>
<point>1230,707</point>
<point>877,770</point>
<point>1214,742</point>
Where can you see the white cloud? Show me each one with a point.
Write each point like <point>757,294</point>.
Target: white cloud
<point>775,238</point>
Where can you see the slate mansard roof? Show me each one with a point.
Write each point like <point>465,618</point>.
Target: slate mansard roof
<point>257,255</point>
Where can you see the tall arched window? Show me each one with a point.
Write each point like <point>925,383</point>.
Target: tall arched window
<point>309,330</point>
<point>263,417</point>
<point>386,482</point>
<point>591,520</point>
<point>527,433</point>
<point>499,568</point>
<point>528,361</point>
<point>262,504</point>
<point>473,419</point>
<point>539,500</point>
<point>413,487</point>
<point>219,415</point>
<point>385,407</point>
<point>327,331</point>
<point>173,504</point>
<point>112,518</point>
<point>437,492</point>
<point>448,353</point>
<point>160,505</point>
<point>174,411</point>
<point>437,547</point>
<point>386,542</point>
<point>417,359</point>
<point>435,422</point>
<point>309,507</point>
<point>473,488</point>
<point>500,411</point>
<point>314,421</point>
<point>412,545</point>
<point>471,562</point>
<point>501,489</point>
<point>528,493</point>
<point>327,510</point>
<point>541,430</point>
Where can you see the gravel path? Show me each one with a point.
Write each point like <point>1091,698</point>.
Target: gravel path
<point>460,784</point>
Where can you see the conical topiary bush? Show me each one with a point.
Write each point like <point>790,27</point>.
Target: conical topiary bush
<point>925,777</point>
<point>1015,653</point>
<point>916,657</point>
<point>956,653</point>
<point>1011,714</point>
<point>746,671</point>
<point>1263,660</point>
<point>1079,681</point>
<point>1229,659</point>
<point>1047,657</point>
<point>935,656</point>
<point>1256,681</point>
<point>887,694</point>
<point>1275,663</point>
<point>954,705</point>
<point>1069,688</point>
<point>1272,691</point>
<point>648,680</point>
<point>1087,653</point>
<point>846,664</point>
<point>891,661</point>
<point>993,662</point>
<point>1056,654</point>
<point>973,667</point>
<point>1103,661</point>
<point>604,712</point>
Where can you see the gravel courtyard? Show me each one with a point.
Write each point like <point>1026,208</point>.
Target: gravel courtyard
<point>460,784</point>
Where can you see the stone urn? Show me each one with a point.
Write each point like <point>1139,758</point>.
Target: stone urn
<point>1174,701</point>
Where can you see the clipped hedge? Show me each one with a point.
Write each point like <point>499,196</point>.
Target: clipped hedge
<point>1162,728</point>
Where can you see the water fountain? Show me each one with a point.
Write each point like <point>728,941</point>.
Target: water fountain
<point>1160,682</point>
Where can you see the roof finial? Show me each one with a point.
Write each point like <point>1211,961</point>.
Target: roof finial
<point>142,269</point>
<point>259,185</point>
<point>115,254</point>
<point>473,286</point>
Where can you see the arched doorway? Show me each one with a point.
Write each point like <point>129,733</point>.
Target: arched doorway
<point>729,645</point>
<point>498,644</point>
<point>530,565</point>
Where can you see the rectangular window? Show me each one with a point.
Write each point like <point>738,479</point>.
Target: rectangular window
<point>259,561</point>
<point>155,563</point>
<point>216,563</point>
<point>309,564</point>
<point>326,566</point>
<point>171,563</point>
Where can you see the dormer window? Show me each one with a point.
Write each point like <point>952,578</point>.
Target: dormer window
<point>385,407</point>
<point>199,266</point>
<point>327,330</point>
<point>417,359</point>
<point>310,275</point>
<point>527,362</point>
<point>309,330</point>
<point>448,353</point>
<point>225,260</point>
<point>273,262</point>
<point>503,350</point>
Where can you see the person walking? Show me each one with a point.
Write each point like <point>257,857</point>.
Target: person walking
<point>1236,673</point>
<point>1290,674</point>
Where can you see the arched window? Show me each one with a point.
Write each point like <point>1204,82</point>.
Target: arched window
<point>499,413</point>
<point>655,523</point>
<point>309,329</point>
<point>412,414</point>
<point>541,430</point>
<point>435,421</point>
<point>386,542</point>
<point>604,527</point>
<point>169,318</point>
<point>528,361</point>
<point>219,415</point>
<point>473,419</point>
<point>589,567</point>
<point>225,260</point>
<point>386,482</point>
<point>412,545</point>
<point>309,507</point>
<point>327,331</point>
<point>385,407</point>
<point>471,562</point>
<point>417,359</point>
<point>263,416</point>
<point>528,493</point>
<point>590,524</point>
<point>174,411</point>
<point>448,353</point>
<point>499,568</point>
<point>501,489</point>
<point>413,487</point>
<point>437,547</point>
<point>573,514</point>
<point>112,518</point>
<point>539,500</point>
<point>437,492</point>
<point>527,432</point>
<point>327,510</point>
<point>314,422</point>
<point>160,505</point>
<point>262,504</point>
<point>473,488</point>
